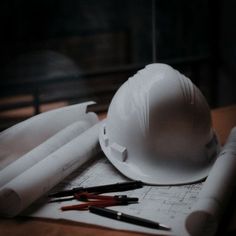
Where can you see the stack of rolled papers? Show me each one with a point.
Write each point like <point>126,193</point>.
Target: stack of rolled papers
<point>71,139</point>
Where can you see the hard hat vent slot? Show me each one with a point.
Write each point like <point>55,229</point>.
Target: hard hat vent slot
<point>119,151</point>
<point>105,138</point>
<point>104,130</point>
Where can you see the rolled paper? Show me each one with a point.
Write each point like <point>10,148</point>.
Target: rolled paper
<point>218,188</point>
<point>43,150</point>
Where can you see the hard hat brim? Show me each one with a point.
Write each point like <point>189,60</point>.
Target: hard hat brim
<point>161,175</point>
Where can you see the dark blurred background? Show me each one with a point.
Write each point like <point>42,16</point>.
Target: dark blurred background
<point>57,52</point>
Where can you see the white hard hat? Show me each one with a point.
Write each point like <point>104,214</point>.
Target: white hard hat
<point>158,129</point>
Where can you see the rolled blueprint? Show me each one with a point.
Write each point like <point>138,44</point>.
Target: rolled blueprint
<point>205,215</point>
<point>20,192</point>
<point>43,150</point>
<point>17,140</point>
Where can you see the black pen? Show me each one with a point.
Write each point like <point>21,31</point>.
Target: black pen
<point>99,189</point>
<point>127,218</point>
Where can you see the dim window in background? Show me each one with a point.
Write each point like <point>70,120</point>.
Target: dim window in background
<point>56,53</point>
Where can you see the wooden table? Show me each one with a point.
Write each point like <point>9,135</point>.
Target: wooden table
<point>223,120</point>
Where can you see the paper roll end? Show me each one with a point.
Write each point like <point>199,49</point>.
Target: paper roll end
<point>10,203</point>
<point>203,220</point>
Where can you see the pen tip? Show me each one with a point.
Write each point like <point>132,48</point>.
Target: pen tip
<point>164,227</point>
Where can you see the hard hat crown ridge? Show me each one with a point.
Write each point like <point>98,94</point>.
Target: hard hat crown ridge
<point>187,88</point>
<point>158,128</point>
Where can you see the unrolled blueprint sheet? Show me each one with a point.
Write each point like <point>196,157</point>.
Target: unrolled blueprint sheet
<point>167,205</point>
